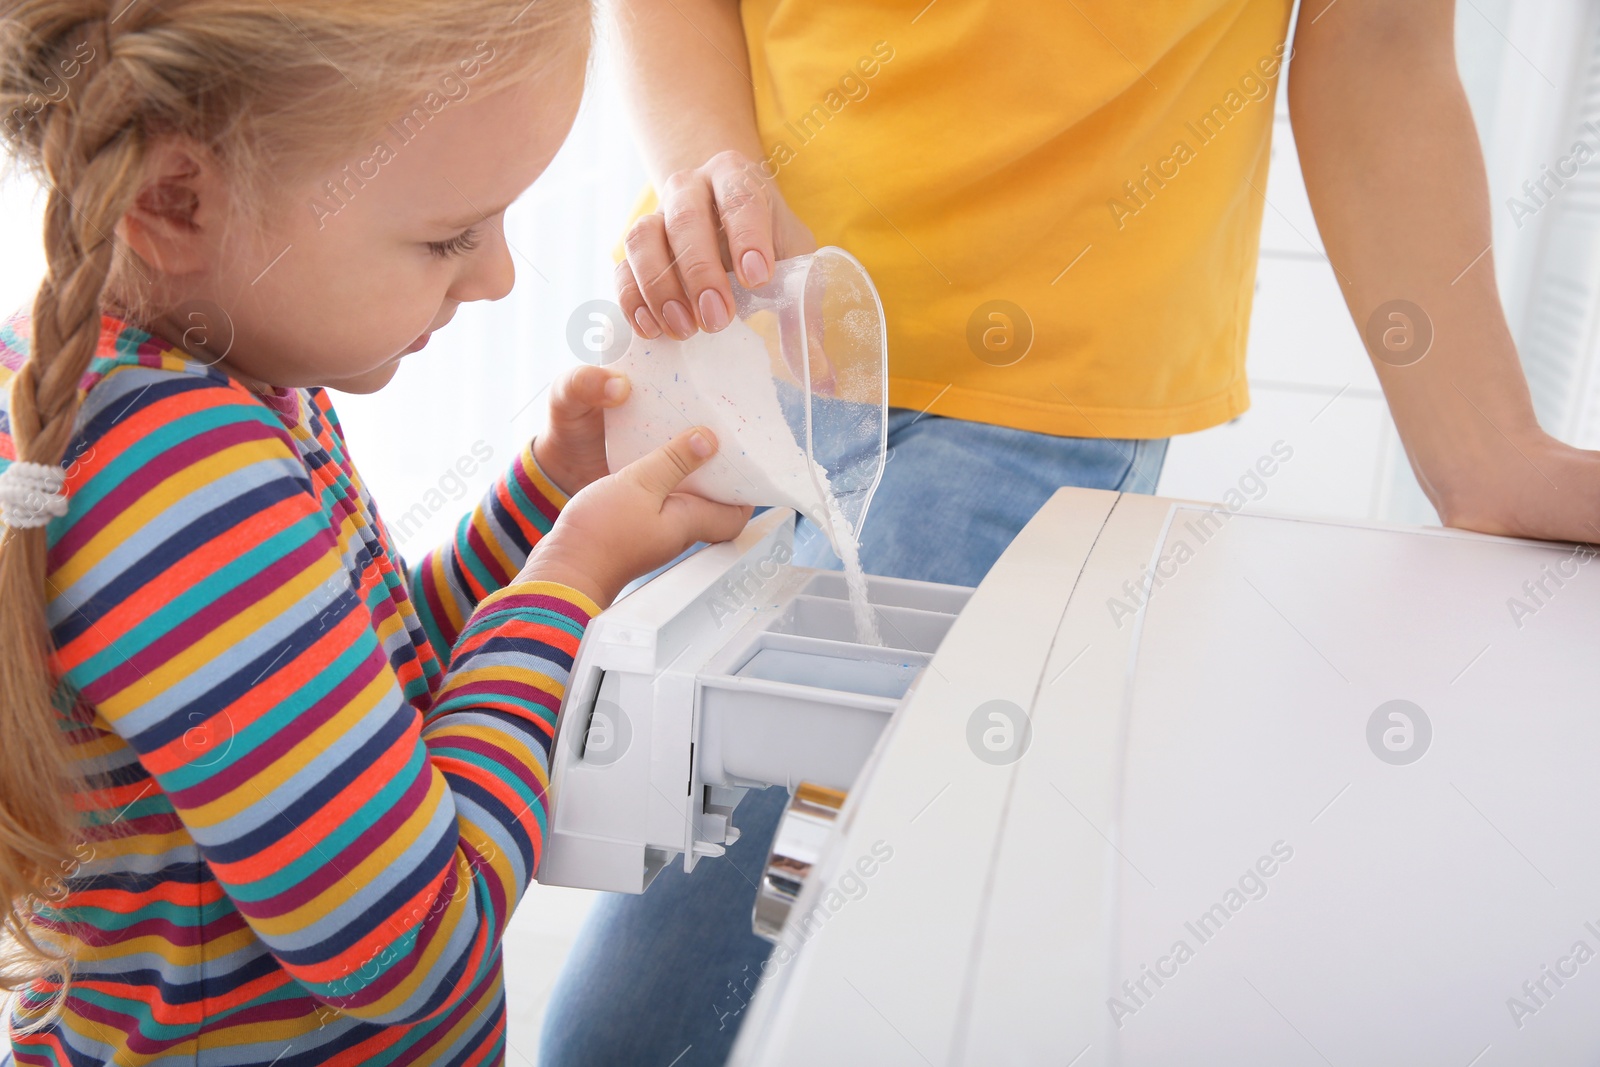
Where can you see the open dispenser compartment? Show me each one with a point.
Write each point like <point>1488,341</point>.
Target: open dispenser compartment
<point>795,696</point>
<point>732,670</point>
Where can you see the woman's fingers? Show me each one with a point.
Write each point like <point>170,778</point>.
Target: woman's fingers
<point>633,303</point>
<point>650,257</point>
<point>713,218</point>
<point>744,206</point>
<point>692,229</point>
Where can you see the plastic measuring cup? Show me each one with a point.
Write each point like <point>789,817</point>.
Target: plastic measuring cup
<point>795,388</point>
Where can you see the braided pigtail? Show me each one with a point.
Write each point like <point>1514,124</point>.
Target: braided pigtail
<point>89,155</point>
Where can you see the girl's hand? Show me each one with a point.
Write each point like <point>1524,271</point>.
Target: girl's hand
<point>572,448</point>
<point>631,522</point>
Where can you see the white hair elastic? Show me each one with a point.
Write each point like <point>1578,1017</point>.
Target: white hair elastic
<point>31,495</point>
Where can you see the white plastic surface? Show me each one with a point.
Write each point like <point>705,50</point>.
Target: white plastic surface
<point>1208,747</point>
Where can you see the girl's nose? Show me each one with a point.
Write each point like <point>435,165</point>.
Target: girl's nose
<point>488,273</point>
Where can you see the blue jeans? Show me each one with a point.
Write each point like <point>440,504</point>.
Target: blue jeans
<point>663,978</point>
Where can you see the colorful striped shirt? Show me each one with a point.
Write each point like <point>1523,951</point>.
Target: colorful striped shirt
<point>313,779</point>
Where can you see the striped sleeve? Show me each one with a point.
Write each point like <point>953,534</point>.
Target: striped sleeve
<point>491,543</point>
<point>200,602</point>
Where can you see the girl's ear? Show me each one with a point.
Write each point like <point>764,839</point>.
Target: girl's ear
<point>173,224</point>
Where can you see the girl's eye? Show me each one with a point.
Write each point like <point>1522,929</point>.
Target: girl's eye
<point>459,245</point>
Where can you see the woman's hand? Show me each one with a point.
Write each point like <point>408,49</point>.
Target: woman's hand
<point>631,522</point>
<point>572,448</point>
<point>722,216</point>
<point>1525,484</point>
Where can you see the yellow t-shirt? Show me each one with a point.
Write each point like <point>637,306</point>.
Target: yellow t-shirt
<point>1059,200</point>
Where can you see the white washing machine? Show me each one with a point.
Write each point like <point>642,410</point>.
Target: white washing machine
<point>1173,785</point>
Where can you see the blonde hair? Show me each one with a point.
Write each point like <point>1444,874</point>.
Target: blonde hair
<point>268,89</point>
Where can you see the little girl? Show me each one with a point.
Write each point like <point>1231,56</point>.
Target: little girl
<point>267,794</point>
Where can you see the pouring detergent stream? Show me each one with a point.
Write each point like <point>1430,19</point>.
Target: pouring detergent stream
<point>795,388</point>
